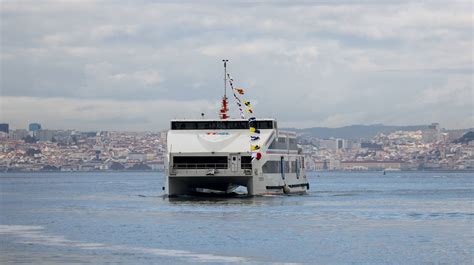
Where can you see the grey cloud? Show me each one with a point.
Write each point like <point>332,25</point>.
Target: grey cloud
<point>306,62</point>
<point>114,120</point>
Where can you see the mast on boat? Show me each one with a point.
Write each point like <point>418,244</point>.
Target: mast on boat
<point>225,106</point>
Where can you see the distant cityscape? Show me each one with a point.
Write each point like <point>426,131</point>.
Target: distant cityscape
<point>429,148</point>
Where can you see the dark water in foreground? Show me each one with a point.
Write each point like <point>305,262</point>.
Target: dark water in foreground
<point>348,218</point>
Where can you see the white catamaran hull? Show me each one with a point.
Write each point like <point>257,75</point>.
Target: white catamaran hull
<point>218,160</point>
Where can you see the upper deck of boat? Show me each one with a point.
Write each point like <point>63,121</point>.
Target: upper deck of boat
<point>217,124</point>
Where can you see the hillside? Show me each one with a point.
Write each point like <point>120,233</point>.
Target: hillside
<point>355,131</point>
<point>466,138</point>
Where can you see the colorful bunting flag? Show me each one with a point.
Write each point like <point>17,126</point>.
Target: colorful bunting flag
<point>238,101</point>
<point>257,155</point>
<point>252,120</point>
<point>240,90</point>
<point>254,147</point>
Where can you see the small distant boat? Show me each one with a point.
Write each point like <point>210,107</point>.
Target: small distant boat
<point>220,155</point>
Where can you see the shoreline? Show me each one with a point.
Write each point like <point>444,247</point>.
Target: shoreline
<point>162,171</point>
<point>78,171</point>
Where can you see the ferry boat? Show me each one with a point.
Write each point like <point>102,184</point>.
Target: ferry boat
<point>220,155</point>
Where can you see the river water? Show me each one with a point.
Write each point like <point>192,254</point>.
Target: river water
<point>347,218</point>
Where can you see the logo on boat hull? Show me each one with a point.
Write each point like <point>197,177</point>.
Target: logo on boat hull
<point>217,133</point>
<point>217,137</point>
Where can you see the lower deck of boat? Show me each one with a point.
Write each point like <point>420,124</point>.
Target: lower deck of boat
<point>195,185</point>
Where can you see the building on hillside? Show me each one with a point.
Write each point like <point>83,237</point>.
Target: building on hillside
<point>371,146</point>
<point>34,127</point>
<point>136,156</point>
<point>4,127</point>
<point>18,134</point>
<point>341,144</point>
<point>44,135</point>
<point>432,134</point>
<point>329,144</point>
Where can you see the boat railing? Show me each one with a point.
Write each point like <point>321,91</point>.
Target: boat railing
<point>200,165</point>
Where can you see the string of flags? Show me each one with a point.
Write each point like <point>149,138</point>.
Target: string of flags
<point>254,136</point>
<point>254,132</point>
<point>248,106</point>
<point>239,91</point>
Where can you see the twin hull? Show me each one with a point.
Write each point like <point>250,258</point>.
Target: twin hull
<point>219,160</point>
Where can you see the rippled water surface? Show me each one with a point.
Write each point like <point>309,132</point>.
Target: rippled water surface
<point>347,218</point>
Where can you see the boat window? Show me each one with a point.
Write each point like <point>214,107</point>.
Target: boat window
<point>218,125</point>
<point>199,162</point>
<point>294,166</point>
<point>271,167</point>
<point>293,144</point>
<point>287,167</point>
<point>278,143</point>
<point>246,162</point>
<point>264,125</point>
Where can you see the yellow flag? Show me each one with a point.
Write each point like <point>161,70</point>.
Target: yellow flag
<point>254,147</point>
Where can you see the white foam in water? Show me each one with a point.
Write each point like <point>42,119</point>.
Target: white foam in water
<point>35,235</point>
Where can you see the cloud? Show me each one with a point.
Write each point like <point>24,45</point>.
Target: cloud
<point>101,114</point>
<point>308,63</point>
<point>283,50</point>
<point>110,31</point>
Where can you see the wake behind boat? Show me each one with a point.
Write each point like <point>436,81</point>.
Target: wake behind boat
<point>219,155</point>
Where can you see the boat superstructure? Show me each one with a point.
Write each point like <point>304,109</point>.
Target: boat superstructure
<point>215,155</point>
<point>219,155</point>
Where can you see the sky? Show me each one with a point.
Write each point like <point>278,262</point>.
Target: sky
<point>134,65</point>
